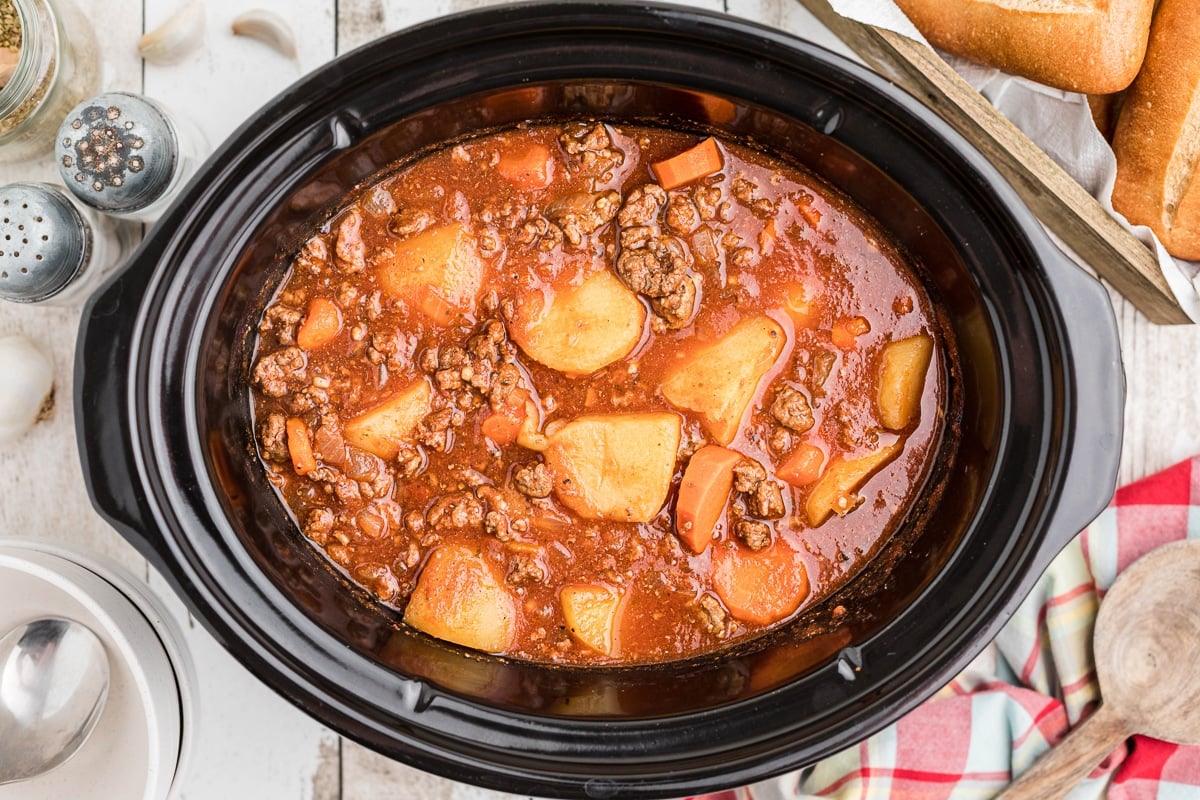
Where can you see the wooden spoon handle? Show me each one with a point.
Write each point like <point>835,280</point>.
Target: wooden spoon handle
<point>1070,761</point>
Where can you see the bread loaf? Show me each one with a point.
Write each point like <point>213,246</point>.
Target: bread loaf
<point>1157,141</point>
<point>1091,46</point>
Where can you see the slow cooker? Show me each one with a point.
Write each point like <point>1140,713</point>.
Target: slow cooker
<point>164,423</point>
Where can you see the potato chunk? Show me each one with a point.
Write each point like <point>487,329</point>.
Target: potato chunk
<point>590,612</point>
<point>438,272</point>
<point>614,466</point>
<point>834,491</point>
<point>719,380</point>
<point>581,328</point>
<point>382,429</point>
<point>459,599</point>
<point>901,380</point>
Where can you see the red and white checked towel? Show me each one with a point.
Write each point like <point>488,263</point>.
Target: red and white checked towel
<point>1035,682</point>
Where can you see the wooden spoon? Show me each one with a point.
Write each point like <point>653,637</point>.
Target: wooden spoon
<point>1147,645</point>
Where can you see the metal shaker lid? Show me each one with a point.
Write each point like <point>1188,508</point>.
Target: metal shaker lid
<point>117,152</point>
<point>44,242</point>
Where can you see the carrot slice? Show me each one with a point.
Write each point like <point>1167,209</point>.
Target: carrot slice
<point>321,324</point>
<point>703,494</point>
<point>803,466</point>
<point>845,332</point>
<point>692,164</point>
<point>300,446</point>
<point>762,587</point>
<point>503,424</point>
<point>527,168</point>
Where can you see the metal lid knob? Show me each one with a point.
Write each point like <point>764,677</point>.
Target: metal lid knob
<point>44,242</point>
<point>117,152</point>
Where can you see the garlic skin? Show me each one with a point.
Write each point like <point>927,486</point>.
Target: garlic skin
<point>269,28</point>
<point>26,384</point>
<point>175,39</point>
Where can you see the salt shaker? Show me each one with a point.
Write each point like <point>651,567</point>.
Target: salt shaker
<point>52,251</point>
<point>126,155</point>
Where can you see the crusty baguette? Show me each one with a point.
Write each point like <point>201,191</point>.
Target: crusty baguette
<point>1091,46</point>
<point>1157,141</point>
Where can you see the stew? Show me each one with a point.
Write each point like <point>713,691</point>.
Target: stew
<point>588,393</point>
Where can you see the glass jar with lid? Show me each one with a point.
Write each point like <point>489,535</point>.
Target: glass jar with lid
<point>49,61</point>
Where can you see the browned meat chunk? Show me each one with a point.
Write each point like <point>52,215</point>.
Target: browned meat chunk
<point>307,398</point>
<point>533,480</point>
<point>409,461</point>
<point>456,510</point>
<point>590,149</point>
<point>523,569</point>
<point>318,525</point>
<point>656,269</point>
<point>434,430</point>
<point>756,535</point>
<point>765,501</point>
<point>682,216</point>
<point>350,250</point>
<point>506,381</point>
<point>747,473</point>
<point>542,233</point>
<point>791,409</point>
<point>315,255</point>
<point>581,214</point>
<point>409,222</point>
<point>642,206</point>
<point>707,199</point>
<point>676,308</point>
<point>272,437</point>
<point>712,615</point>
<point>282,371</point>
<point>281,320</point>
<point>378,580</point>
<point>819,371</point>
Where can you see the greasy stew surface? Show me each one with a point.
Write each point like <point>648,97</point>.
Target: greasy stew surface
<point>589,393</point>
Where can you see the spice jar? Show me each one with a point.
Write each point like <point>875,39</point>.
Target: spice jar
<point>52,251</point>
<point>126,155</point>
<point>52,63</point>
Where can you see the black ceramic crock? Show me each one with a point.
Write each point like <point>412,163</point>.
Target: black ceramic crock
<point>164,428</point>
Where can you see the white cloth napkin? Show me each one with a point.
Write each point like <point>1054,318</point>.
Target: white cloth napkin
<point>1060,123</point>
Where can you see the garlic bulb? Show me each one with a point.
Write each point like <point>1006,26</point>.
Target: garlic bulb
<point>26,386</point>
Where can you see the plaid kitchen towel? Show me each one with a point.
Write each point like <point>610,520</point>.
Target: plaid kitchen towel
<point>1035,682</point>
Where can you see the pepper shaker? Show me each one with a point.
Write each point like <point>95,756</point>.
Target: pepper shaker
<point>126,155</point>
<point>52,251</point>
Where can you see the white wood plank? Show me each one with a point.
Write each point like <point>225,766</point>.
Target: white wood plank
<point>230,77</point>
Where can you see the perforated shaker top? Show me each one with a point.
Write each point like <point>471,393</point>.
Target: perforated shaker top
<point>44,242</point>
<point>117,152</point>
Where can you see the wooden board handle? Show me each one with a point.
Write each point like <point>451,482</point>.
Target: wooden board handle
<point>1053,195</point>
<point>1057,772</point>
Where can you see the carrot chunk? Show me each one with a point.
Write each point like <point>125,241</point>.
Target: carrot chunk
<point>692,164</point>
<point>762,587</point>
<point>300,446</point>
<point>321,324</point>
<point>845,332</point>
<point>527,168</point>
<point>803,466</point>
<point>503,424</point>
<point>703,494</point>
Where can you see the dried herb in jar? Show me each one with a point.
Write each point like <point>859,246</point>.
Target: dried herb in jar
<point>10,41</point>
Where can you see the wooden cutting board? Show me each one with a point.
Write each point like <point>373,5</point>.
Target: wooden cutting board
<point>1061,203</point>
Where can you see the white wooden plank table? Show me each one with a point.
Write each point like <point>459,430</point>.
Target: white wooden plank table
<point>248,742</point>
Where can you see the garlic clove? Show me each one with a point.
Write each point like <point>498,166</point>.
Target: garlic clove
<point>177,38</point>
<point>269,28</point>
<point>26,386</point>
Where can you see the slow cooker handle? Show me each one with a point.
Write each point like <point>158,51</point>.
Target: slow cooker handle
<point>1092,351</point>
<point>103,370</point>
